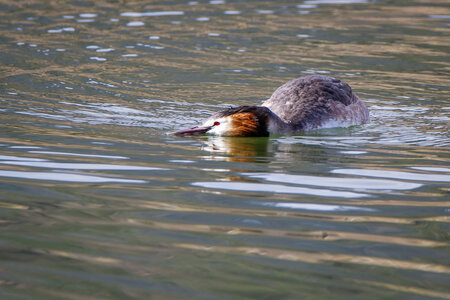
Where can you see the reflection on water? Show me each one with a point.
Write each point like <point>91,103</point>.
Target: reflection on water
<point>317,207</point>
<point>79,154</point>
<point>276,188</point>
<point>98,200</point>
<point>238,149</point>
<point>352,183</point>
<point>77,166</point>
<point>67,177</point>
<point>395,174</point>
<point>317,258</point>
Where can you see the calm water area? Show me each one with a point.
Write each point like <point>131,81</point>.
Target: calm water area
<point>99,201</point>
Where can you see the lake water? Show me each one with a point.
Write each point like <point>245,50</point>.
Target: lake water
<point>99,201</point>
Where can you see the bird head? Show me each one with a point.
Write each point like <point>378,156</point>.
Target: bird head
<point>242,121</point>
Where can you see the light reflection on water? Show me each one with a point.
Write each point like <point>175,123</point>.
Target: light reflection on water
<point>76,166</point>
<point>395,174</point>
<point>66,177</point>
<point>352,183</point>
<point>98,200</point>
<point>317,207</point>
<point>276,188</point>
<point>79,154</point>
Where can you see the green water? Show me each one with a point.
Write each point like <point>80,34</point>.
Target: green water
<point>99,201</point>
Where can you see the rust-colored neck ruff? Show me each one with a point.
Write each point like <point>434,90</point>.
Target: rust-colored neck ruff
<point>246,124</point>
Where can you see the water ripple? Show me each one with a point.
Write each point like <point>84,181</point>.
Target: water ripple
<point>66,177</point>
<point>74,154</point>
<point>78,166</point>
<point>275,188</point>
<point>352,183</point>
<point>394,174</point>
<point>152,14</point>
<point>317,207</point>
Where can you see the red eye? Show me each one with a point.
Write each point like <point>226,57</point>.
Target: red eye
<point>216,123</point>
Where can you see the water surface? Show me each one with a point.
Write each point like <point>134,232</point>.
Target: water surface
<point>98,200</point>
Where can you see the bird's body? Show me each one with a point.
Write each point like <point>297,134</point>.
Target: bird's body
<point>303,104</point>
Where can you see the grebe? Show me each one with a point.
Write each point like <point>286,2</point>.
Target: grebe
<point>305,103</point>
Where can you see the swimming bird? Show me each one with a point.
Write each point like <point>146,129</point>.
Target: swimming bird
<point>302,104</point>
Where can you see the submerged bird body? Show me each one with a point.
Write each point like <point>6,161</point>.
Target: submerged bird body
<point>305,103</point>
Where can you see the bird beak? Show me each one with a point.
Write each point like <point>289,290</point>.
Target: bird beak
<point>193,131</point>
